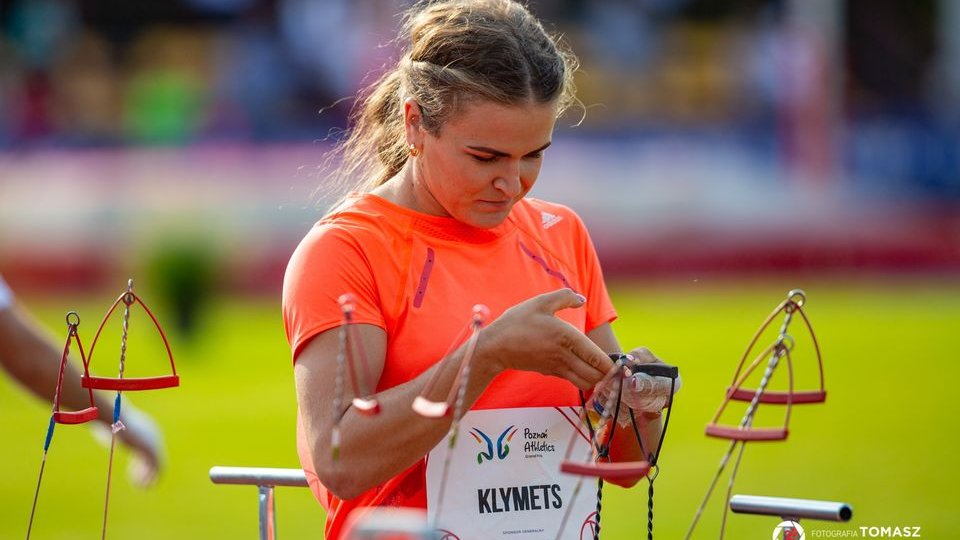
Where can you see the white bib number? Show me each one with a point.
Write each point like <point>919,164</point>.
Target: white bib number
<point>504,479</point>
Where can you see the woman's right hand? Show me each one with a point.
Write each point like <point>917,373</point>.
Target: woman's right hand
<point>530,337</point>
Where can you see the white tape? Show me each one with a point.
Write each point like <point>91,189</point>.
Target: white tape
<point>642,393</point>
<point>646,393</point>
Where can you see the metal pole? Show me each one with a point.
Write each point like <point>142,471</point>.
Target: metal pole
<point>258,476</point>
<point>268,522</point>
<point>372,524</point>
<point>792,509</point>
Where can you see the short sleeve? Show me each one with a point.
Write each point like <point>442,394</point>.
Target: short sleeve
<point>328,263</point>
<point>600,308</point>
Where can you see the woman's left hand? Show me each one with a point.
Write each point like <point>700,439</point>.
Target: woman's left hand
<point>641,392</point>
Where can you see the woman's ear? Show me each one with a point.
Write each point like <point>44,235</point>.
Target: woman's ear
<point>412,117</point>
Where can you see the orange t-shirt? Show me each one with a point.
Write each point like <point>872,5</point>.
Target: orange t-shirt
<point>418,276</point>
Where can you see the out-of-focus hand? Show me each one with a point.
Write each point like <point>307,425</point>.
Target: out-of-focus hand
<point>142,436</point>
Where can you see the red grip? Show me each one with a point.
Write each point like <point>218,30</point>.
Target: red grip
<point>779,398</point>
<point>752,434</point>
<point>430,409</point>
<point>76,417</point>
<point>630,469</point>
<point>126,385</point>
<point>367,406</point>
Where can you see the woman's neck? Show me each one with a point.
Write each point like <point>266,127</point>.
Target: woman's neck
<point>406,190</point>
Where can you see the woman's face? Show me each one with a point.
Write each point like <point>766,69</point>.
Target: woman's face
<point>481,162</point>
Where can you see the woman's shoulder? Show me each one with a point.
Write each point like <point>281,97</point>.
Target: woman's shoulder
<point>357,224</point>
<point>359,209</point>
<point>359,216</point>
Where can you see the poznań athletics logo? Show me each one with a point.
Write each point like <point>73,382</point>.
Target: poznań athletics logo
<point>788,530</point>
<point>502,447</point>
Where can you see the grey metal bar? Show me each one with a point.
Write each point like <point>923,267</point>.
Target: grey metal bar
<point>265,478</point>
<point>372,524</point>
<point>258,476</point>
<point>791,508</point>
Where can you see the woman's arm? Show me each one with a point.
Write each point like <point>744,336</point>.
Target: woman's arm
<point>375,448</point>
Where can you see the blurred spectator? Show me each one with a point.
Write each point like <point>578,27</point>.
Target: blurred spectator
<point>82,72</point>
<point>254,83</point>
<point>40,29</point>
<point>86,92</point>
<point>329,43</point>
<point>166,93</point>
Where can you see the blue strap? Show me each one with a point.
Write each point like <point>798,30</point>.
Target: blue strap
<point>46,443</point>
<point>116,409</point>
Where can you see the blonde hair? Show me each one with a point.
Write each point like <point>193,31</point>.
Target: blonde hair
<point>455,51</point>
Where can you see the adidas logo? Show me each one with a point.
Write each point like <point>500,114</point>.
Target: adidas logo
<point>549,220</point>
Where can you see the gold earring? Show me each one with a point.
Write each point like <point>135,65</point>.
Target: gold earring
<point>414,151</point>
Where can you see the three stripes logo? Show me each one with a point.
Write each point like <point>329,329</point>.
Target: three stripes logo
<point>549,220</point>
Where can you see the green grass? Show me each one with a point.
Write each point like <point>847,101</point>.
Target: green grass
<point>884,441</point>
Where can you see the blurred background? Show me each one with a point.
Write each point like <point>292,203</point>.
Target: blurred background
<point>725,153</point>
